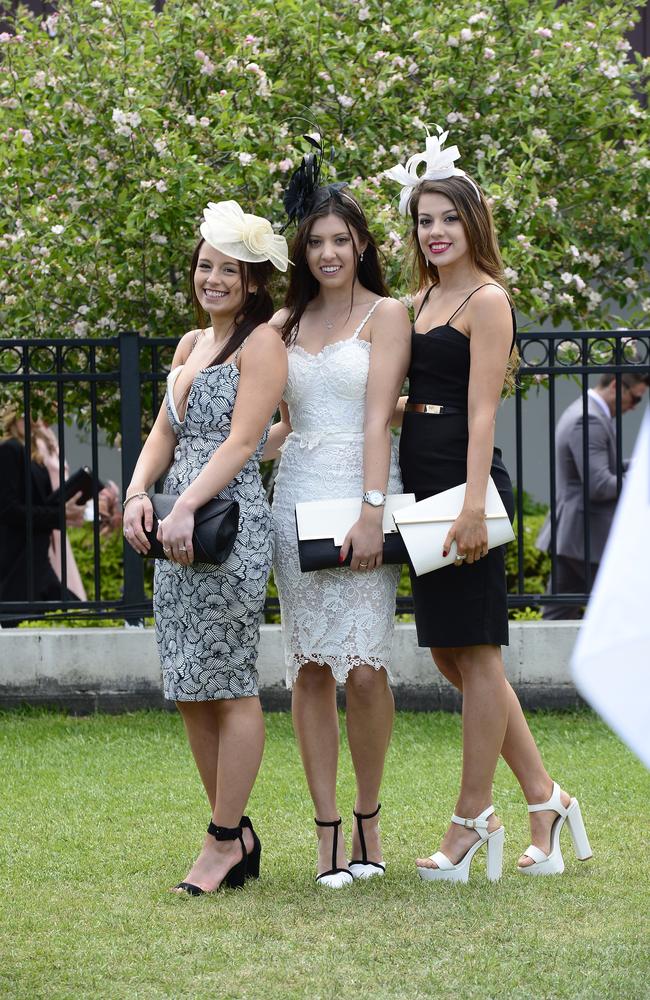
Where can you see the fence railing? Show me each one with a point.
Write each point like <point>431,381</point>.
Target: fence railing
<point>120,382</point>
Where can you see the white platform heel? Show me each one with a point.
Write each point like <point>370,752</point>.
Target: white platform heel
<point>448,872</point>
<point>553,863</point>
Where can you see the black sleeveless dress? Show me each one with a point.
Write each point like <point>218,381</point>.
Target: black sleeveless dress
<point>457,605</point>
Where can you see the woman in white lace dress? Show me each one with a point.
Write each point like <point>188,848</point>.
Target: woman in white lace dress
<point>348,346</point>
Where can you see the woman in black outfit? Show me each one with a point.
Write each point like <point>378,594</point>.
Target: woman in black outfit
<point>14,518</point>
<point>462,351</point>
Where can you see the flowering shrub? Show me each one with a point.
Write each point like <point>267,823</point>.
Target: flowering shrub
<point>120,124</point>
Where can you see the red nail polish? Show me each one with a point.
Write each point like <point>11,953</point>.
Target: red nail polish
<point>444,554</point>
<point>340,557</point>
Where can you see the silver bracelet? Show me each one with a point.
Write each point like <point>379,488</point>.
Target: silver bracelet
<point>133,497</point>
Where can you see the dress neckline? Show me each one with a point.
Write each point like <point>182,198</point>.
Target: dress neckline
<point>343,340</point>
<point>441,326</point>
<point>171,379</point>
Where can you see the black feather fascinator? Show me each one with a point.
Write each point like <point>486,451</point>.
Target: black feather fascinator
<point>304,190</point>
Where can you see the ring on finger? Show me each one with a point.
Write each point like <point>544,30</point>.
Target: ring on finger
<point>363,565</point>
<point>166,550</point>
<point>182,548</point>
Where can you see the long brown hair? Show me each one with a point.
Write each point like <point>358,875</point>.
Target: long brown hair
<point>476,218</point>
<point>256,307</point>
<point>303,286</point>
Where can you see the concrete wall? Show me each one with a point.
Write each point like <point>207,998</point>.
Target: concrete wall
<point>117,669</point>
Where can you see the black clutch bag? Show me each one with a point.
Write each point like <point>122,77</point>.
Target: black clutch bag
<point>322,525</point>
<point>215,528</point>
<point>79,481</point>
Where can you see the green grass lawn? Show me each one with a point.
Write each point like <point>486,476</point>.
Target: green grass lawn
<point>100,815</point>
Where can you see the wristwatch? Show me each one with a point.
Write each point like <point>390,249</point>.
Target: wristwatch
<point>374,497</point>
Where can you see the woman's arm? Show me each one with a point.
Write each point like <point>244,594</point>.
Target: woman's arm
<point>398,412</point>
<point>263,375</point>
<point>277,435</point>
<point>490,327</point>
<point>155,458</point>
<point>389,361</point>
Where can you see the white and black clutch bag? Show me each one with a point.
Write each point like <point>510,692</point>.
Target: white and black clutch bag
<point>323,524</point>
<point>424,526</point>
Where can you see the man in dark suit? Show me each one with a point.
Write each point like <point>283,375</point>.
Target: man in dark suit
<point>570,575</point>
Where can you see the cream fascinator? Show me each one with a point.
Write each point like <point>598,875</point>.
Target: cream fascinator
<point>245,237</point>
<point>439,165</point>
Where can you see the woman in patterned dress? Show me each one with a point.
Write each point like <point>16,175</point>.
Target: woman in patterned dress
<point>223,389</point>
<point>348,354</point>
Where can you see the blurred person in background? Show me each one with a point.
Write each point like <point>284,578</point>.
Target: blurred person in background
<point>47,447</point>
<point>15,516</point>
<point>570,575</point>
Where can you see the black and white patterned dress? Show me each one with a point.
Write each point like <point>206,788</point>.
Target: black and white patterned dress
<point>208,617</point>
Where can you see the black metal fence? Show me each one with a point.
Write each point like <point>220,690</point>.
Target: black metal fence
<point>119,381</point>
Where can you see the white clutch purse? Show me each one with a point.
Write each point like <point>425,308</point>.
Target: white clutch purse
<point>424,526</point>
<point>323,524</point>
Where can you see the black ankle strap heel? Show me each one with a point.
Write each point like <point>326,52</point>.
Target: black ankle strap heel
<point>236,876</point>
<point>253,860</point>
<point>336,877</point>
<point>363,868</point>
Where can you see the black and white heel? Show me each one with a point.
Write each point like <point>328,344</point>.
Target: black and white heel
<point>363,868</point>
<point>553,863</point>
<point>334,878</point>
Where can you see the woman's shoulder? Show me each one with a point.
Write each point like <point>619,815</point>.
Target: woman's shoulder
<point>11,445</point>
<point>391,307</point>
<point>185,346</point>
<point>491,293</point>
<point>265,338</point>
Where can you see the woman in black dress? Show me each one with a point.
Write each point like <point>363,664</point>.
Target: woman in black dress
<point>463,348</point>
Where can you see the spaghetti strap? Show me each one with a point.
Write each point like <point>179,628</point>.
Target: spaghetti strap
<point>424,301</point>
<point>365,319</point>
<point>465,301</point>
<point>512,309</point>
<point>235,359</point>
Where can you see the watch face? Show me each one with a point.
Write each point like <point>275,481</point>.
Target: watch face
<point>375,498</point>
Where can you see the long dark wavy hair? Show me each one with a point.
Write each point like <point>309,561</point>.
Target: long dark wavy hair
<point>256,308</point>
<point>303,286</point>
<point>476,218</point>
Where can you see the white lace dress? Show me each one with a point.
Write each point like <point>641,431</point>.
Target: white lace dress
<point>335,617</point>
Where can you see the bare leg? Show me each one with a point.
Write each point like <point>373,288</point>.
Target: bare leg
<point>316,724</point>
<point>200,720</point>
<point>520,753</point>
<point>238,732</point>
<point>369,721</point>
<point>485,717</point>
